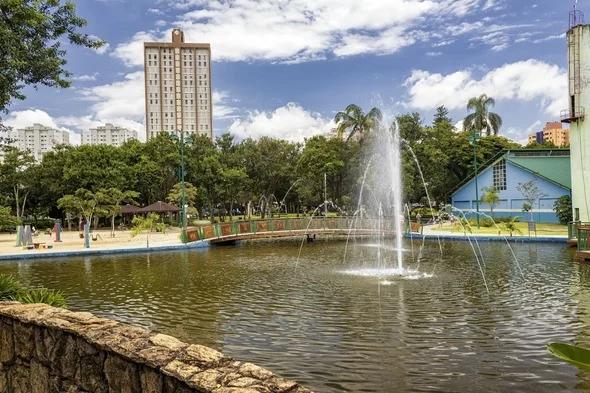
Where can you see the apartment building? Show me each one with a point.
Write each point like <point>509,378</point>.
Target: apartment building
<point>552,132</point>
<point>178,94</point>
<point>108,135</point>
<point>38,139</point>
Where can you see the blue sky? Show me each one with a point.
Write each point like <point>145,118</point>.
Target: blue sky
<point>283,68</point>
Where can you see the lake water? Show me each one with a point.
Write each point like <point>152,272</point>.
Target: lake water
<point>336,332</point>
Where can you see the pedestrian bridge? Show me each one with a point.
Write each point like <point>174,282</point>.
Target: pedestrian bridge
<point>290,227</point>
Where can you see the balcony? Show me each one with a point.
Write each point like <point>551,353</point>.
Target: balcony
<point>570,116</point>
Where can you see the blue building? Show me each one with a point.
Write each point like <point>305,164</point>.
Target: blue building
<point>549,169</point>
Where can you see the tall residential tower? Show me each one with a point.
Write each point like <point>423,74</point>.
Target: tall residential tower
<point>178,87</point>
<point>578,43</point>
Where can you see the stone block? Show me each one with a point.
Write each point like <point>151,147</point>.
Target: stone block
<point>6,343</point>
<point>122,375</point>
<point>24,340</point>
<point>90,374</point>
<point>181,370</point>
<point>151,381</point>
<point>206,381</point>
<point>204,356</point>
<point>39,377</point>
<point>19,378</point>
<point>169,342</point>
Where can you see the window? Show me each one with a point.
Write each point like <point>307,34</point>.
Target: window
<point>499,175</point>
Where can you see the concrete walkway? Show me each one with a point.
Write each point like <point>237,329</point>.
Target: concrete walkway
<point>72,245</point>
<point>432,232</point>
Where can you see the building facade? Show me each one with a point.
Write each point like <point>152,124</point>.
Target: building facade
<point>552,132</point>
<point>578,42</point>
<point>178,94</point>
<point>38,139</point>
<point>548,169</point>
<point>108,135</point>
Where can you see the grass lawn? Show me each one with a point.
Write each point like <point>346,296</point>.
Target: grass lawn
<point>542,229</point>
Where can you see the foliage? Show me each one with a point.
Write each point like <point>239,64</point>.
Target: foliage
<point>491,196</point>
<point>83,203</point>
<point>151,222</point>
<point>578,356</point>
<point>353,121</point>
<point>9,287</point>
<point>16,177</point>
<point>6,217</point>
<point>563,209</point>
<point>511,226</point>
<point>34,34</point>
<point>41,295</point>
<point>111,200</point>
<point>175,194</point>
<point>482,121</point>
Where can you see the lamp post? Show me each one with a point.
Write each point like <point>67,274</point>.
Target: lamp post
<point>474,138</point>
<point>183,223</point>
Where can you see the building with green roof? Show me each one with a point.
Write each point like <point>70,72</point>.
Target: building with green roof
<point>548,169</point>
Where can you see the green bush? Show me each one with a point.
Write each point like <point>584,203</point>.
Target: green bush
<point>9,287</point>
<point>43,223</point>
<point>425,212</point>
<point>42,295</point>
<point>563,209</point>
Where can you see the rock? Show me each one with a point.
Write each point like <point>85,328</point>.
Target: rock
<point>254,371</point>
<point>122,376</point>
<point>181,370</point>
<point>169,342</point>
<point>6,343</point>
<point>204,355</point>
<point>206,380</point>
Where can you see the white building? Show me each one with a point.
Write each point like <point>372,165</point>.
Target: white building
<point>578,41</point>
<point>38,139</point>
<point>108,135</point>
<point>178,87</point>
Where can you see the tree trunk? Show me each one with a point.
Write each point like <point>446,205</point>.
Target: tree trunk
<point>231,208</point>
<point>113,226</point>
<point>22,214</point>
<point>15,188</point>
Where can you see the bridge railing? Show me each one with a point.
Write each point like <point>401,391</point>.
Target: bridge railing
<point>236,228</point>
<point>584,237</point>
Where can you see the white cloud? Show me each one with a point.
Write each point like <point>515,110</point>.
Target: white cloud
<point>28,117</point>
<point>524,81</point>
<point>118,99</point>
<point>301,30</point>
<point>103,49</point>
<point>290,122</point>
<point>85,77</point>
<point>131,53</point>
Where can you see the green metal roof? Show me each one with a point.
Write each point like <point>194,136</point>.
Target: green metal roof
<point>555,168</point>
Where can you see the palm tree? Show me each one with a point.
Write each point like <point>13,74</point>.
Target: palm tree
<point>482,119</point>
<point>355,122</point>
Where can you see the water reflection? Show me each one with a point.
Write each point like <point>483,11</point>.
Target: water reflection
<point>336,332</point>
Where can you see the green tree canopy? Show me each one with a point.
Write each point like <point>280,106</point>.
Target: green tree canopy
<point>482,121</point>
<point>33,34</point>
<point>353,121</point>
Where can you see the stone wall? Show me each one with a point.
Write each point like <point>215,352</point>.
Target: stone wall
<point>45,350</point>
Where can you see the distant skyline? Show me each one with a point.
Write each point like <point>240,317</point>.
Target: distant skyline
<point>284,68</point>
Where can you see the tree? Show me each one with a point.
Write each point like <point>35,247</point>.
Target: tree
<point>355,122</point>
<point>147,224</point>
<point>84,203</point>
<point>34,33</point>
<point>531,194</point>
<point>563,209</point>
<point>15,177</point>
<point>441,116</point>
<point>232,181</point>
<point>482,120</point>
<point>511,226</point>
<point>111,200</point>
<point>6,218</point>
<point>491,196</point>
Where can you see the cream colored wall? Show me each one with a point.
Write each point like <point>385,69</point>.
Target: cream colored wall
<point>580,132</point>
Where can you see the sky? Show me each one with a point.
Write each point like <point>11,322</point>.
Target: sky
<point>284,68</point>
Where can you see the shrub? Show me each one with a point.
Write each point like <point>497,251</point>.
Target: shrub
<point>42,295</point>
<point>9,287</point>
<point>563,209</point>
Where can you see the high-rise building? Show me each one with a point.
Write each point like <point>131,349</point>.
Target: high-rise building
<point>178,87</point>
<point>108,135</point>
<point>578,43</point>
<point>38,139</point>
<point>552,132</point>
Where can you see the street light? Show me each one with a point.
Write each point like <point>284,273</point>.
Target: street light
<point>475,136</point>
<point>181,174</point>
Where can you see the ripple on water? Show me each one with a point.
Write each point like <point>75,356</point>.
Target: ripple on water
<point>338,326</point>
